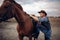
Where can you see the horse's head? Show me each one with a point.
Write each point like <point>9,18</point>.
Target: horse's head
<point>6,11</point>
<point>9,0</point>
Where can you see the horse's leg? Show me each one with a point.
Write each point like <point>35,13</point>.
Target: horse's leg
<point>30,37</point>
<point>20,37</point>
<point>35,39</point>
<point>36,36</point>
<point>19,33</point>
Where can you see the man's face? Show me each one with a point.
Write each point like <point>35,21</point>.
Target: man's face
<point>42,14</point>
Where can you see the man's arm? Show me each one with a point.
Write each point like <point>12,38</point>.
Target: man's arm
<point>45,19</point>
<point>34,17</point>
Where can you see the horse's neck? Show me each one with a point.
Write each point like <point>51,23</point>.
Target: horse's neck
<point>20,17</point>
<point>23,20</point>
<point>18,5</point>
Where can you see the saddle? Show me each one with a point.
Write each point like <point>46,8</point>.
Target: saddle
<point>35,29</point>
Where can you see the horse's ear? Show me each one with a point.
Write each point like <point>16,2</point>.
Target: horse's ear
<point>6,4</point>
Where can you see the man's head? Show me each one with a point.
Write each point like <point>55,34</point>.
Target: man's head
<point>42,13</point>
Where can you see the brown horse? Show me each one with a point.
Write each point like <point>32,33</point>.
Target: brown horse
<point>25,25</point>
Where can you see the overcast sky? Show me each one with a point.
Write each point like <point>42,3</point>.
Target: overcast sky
<point>52,7</point>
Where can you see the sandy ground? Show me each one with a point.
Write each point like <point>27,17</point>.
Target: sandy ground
<point>8,31</point>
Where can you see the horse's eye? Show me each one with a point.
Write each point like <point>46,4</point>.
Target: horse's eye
<point>7,6</point>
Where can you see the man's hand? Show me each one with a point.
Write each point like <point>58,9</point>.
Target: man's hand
<point>34,17</point>
<point>39,23</point>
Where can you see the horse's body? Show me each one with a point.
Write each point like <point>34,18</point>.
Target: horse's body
<point>25,25</point>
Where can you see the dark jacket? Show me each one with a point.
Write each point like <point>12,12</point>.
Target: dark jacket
<point>45,22</point>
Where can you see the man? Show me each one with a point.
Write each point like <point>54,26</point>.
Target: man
<point>43,24</point>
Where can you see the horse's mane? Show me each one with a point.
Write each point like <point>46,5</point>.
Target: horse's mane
<point>26,14</point>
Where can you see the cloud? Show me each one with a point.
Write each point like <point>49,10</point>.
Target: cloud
<point>26,1</point>
<point>52,8</point>
<point>31,1</point>
<point>50,0</point>
<point>1,2</point>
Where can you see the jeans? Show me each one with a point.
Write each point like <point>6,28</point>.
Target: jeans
<point>47,33</point>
